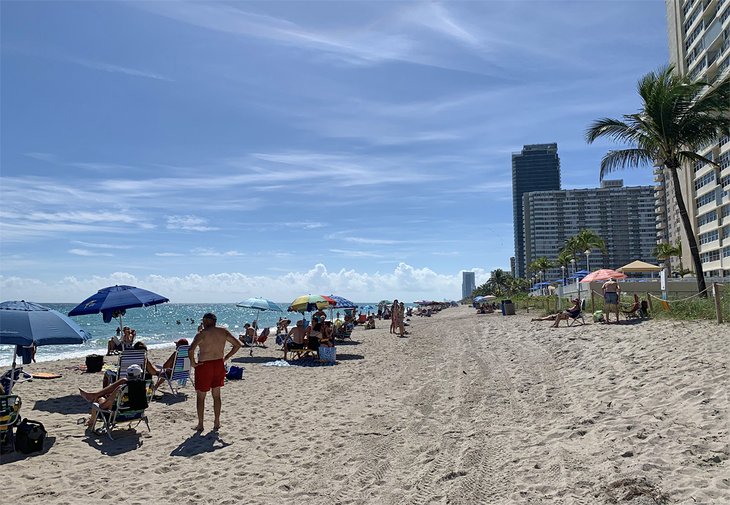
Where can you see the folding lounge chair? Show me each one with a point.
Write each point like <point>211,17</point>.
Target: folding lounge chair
<point>579,317</point>
<point>262,338</point>
<point>9,417</point>
<point>180,370</point>
<point>20,376</point>
<point>126,359</point>
<point>130,402</point>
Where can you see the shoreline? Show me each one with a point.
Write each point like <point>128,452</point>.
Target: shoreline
<point>468,409</point>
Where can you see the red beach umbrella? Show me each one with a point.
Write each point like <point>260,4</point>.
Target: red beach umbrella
<point>603,275</point>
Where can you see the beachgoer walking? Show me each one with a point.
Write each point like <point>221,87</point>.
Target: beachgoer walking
<point>394,311</point>
<point>611,291</point>
<point>402,319</point>
<point>209,365</point>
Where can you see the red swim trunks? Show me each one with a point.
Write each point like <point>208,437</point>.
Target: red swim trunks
<point>209,374</point>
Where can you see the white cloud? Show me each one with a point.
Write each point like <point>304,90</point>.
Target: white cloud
<point>101,246</point>
<point>202,251</point>
<point>191,223</point>
<point>86,252</point>
<point>117,69</point>
<point>404,282</point>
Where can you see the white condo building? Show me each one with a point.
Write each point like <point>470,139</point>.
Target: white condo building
<point>623,216</point>
<point>699,46</point>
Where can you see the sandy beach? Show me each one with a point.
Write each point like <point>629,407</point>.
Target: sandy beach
<point>468,409</point>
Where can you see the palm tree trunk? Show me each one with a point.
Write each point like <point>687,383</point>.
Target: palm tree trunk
<point>693,249</point>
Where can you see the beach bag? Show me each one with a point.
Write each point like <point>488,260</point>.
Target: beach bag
<point>234,373</point>
<point>29,436</point>
<point>598,316</point>
<point>94,362</point>
<point>327,354</point>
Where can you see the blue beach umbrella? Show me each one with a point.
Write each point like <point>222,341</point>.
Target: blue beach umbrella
<point>259,304</point>
<point>26,323</point>
<point>113,301</point>
<point>342,303</point>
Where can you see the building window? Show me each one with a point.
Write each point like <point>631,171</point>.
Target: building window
<point>705,199</point>
<point>710,236</point>
<point>707,218</point>
<point>710,256</point>
<point>724,160</point>
<point>705,180</point>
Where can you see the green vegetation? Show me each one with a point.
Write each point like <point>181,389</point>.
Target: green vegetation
<point>694,308</point>
<point>676,118</point>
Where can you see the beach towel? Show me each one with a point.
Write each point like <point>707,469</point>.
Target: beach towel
<point>46,375</point>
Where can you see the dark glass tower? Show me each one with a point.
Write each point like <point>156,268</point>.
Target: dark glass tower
<point>535,168</point>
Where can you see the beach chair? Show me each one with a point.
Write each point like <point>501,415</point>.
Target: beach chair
<point>126,359</point>
<point>180,370</point>
<point>345,332</point>
<point>129,405</point>
<point>633,311</point>
<point>20,376</point>
<point>578,318</point>
<point>262,338</point>
<point>9,418</point>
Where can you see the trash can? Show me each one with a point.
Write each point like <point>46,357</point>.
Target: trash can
<point>508,308</point>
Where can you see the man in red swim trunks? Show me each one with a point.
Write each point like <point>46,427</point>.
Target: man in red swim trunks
<point>210,371</point>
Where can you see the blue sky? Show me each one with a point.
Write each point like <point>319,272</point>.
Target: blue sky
<point>215,151</point>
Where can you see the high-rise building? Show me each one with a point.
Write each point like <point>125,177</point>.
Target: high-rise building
<point>535,168</point>
<point>699,46</point>
<point>622,216</point>
<point>468,284</point>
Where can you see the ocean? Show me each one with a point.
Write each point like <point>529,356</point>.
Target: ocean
<point>158,326</point>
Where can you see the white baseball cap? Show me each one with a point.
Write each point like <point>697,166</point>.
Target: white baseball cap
<point>134,372</point>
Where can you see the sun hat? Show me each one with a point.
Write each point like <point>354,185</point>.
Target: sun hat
<point>134,372</point>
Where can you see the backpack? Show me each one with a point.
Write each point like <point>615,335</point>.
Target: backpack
<point>29,436</point>
<point>234,373</point>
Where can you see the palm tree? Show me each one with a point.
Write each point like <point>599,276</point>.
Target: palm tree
<point>676,117</point>
<point>665,252</point>
<point>584,240</point>
<point>563,261</point>
<point>499,282</point>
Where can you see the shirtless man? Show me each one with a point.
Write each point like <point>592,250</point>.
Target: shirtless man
<point>611,291</point>
<point>210,371</point>
<point>297,335</point>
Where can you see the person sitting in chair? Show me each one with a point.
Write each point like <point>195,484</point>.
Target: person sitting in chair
<point>282,327</point>
<point>166,369</point>
<point>248,337</point>
<point>296,338</point>
<point>570,313</point>
<point>105,397</point>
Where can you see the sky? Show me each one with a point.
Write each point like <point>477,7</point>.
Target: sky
<point>211,151</point>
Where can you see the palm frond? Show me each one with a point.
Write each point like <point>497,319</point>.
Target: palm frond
<point>614,129</point>
<point>623,158</point>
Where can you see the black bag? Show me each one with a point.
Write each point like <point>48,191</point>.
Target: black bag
<point>29,436</point>
<point>94,362</point>
<point>235,373</point>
